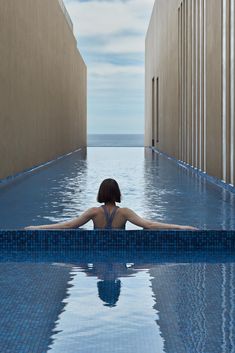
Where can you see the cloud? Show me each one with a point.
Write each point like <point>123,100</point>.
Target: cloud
<point>122,44</point>
<point>104,69</point>
<point>113,22</point>
<point>110,36</point>
<point>109,17</point>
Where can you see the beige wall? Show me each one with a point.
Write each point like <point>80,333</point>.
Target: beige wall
<point>42,85</point>
<point>190,49</point>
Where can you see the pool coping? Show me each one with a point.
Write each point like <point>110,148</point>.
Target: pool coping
<point>75,239</point>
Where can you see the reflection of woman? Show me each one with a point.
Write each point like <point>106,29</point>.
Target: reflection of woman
<point>110,216</point>
<point>109,284</point>
<point>109,291</point>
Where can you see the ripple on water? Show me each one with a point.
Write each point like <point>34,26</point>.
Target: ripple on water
<point>154,186</point>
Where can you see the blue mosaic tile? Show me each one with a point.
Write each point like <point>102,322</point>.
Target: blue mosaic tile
<point>106,239</point>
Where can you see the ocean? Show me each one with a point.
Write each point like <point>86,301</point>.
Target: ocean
<point>115,140</point>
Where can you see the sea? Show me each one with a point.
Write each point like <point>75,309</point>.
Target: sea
<point>115,140</point>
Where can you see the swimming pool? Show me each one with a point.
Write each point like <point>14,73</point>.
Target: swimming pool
<point>83,291</point>
<point>117,301</point>
<point>154,186</point>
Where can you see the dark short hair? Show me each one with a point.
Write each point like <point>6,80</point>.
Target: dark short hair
<point>109,191</point>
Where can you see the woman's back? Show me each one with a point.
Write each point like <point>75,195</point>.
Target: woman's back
<point>109,217</point>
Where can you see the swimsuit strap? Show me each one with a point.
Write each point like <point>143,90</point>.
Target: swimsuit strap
<point>109,217</point>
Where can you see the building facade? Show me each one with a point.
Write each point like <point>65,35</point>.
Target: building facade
<point>190,83</point>
<point>43,85</point>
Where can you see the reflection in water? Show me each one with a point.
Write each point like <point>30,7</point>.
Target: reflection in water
<point>109,291</point>
<point>199,300</point>
<point>48,194</point>
<point>112,321</point>
<point>154,186</point>
<point>193,308</point>
<point>109,284</point>
<point>99,304</point>
<point>177,195</point>
<point>31,298</point>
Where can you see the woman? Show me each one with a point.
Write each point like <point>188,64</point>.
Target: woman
<point>109,216</point>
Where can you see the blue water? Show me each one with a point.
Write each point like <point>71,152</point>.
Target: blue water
<point>113,301</point>
<point>154,186</point>
<point>116,140</point>
<point>120,302</point>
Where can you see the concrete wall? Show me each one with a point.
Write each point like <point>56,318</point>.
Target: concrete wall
<point>42,85</point>
<point>190,79</point>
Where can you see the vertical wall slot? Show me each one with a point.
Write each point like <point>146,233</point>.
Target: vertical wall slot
<point>157,109</point>
<point>153,111</point>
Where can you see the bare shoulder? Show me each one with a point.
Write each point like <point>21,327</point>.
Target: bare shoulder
<point>125,210</point>
<point>93,211</point>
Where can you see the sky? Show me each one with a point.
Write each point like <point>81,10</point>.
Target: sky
<point>111,36</point>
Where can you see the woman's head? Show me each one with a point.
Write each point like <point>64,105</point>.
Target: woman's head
<point>109,191</point>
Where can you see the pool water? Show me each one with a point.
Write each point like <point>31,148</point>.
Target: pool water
<point>154,186</point>
<point>102,302</point>
<point>113,301</point>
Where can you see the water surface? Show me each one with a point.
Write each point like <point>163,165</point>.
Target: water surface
<point>102,302</point>
<point>154,186</point>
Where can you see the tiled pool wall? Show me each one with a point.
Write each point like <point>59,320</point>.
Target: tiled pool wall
<point>116,239</point>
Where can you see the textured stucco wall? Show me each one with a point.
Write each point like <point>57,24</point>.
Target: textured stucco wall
<point>42,85</point>
<point>190,49</point>
<point>161,62</point>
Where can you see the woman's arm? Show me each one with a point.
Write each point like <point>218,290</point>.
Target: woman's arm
<point>73,223</point>
<point>141,222</point>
